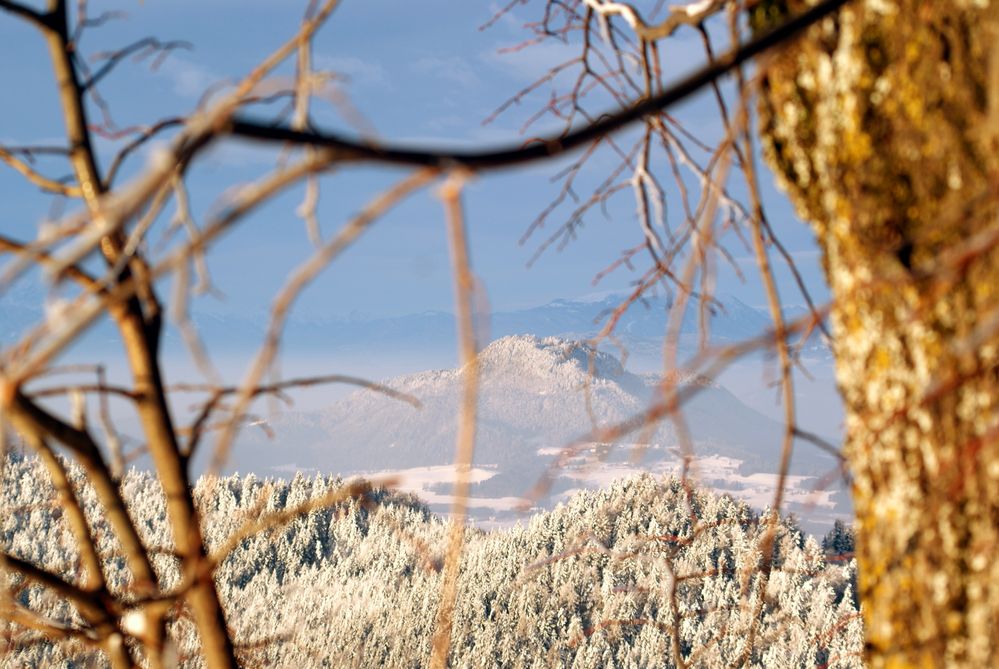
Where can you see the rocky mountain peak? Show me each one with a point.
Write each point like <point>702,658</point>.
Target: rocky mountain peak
<point>532,357</point>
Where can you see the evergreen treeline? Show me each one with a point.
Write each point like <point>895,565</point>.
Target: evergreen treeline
<point>589,584</point>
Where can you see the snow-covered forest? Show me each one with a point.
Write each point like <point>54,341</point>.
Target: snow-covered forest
<point>597,582</point>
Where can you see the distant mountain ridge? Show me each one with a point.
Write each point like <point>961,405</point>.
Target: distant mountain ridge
<point>643,322</point>
<point>640,328</point>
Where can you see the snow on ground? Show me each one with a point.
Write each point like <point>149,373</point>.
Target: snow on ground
<point>421,482</point>
<point>718,473</point>
<point>715,472</point>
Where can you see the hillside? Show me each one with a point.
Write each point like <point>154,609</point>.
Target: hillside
<point>589,584</point>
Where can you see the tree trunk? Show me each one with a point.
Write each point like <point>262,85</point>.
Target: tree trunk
<point>883,126</point>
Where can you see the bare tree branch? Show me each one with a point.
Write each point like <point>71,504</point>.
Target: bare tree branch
<point>23,11</point>
<point>45,183</point>
<point>464,287</point>
<point>352,150</point>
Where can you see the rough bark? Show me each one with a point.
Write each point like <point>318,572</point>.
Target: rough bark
<point>882,126</point>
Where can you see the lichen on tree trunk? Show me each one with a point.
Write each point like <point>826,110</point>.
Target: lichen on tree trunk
<point>883,126</point>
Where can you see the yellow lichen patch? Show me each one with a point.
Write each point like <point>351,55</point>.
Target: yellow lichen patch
<point>876,134</point>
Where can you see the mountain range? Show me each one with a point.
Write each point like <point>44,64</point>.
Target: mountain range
<point>640,328</point>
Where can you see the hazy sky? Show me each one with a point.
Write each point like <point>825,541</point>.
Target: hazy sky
<point>422,73</point>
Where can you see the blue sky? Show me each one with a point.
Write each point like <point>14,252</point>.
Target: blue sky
<point>418,73</point>
<point>422,73</point>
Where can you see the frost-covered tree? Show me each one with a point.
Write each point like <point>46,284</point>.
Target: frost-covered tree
<point>840,540</point>
<point>354,581</point>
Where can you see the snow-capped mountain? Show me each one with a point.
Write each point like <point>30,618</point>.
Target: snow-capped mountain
<point>538,395</point>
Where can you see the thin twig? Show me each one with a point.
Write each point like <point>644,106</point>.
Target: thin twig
<point>464,287</point>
